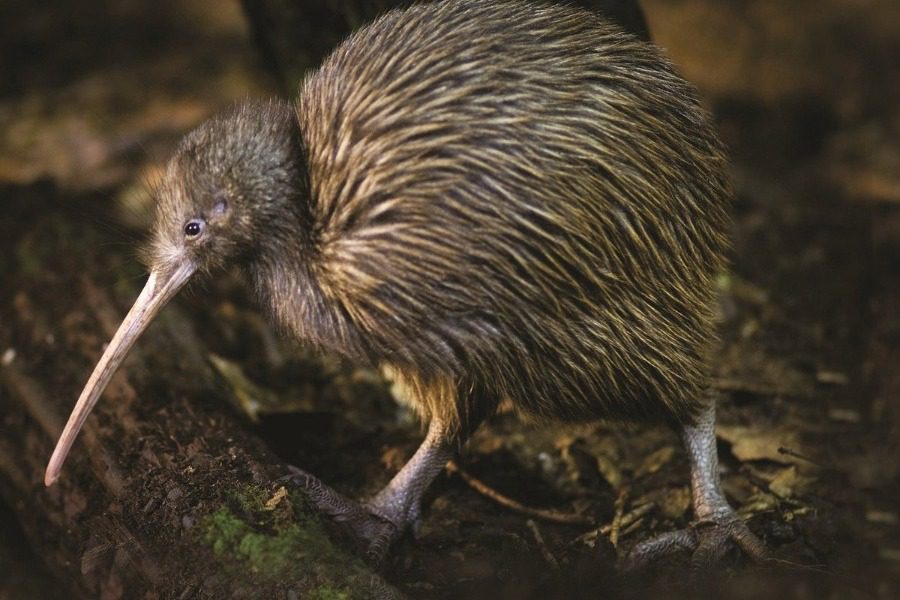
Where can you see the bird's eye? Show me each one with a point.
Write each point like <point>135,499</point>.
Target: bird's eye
<point>193,228</point>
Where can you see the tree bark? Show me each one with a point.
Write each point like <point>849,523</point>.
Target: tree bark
<point>165,494</point>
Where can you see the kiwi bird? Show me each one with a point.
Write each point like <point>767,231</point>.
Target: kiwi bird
<point>495,200</point>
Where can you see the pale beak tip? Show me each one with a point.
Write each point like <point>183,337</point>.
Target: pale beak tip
<point>52,473</point>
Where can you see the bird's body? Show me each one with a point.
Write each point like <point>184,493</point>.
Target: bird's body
<point>495,200</point>
<point>533,204</point>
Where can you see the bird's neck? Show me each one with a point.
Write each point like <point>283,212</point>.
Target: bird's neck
<point>289,276</point>
<point>290,288</point>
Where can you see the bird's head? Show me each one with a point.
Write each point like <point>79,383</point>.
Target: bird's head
<point>234,185</point>
<point>234,189</point>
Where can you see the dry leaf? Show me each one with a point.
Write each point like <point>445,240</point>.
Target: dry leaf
<point>789,483</point>
<point>754,444</point>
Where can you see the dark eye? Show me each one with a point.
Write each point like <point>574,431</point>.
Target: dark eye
<point>193,228</point>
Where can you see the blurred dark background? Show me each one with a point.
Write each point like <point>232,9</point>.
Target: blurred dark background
<point>94,95</point>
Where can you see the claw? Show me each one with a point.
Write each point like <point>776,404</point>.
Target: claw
<point>717,527</point>
<point>709,540</point>
<point>380,521</point>
<point>375,532</point>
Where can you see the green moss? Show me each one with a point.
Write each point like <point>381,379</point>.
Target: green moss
<point>327,592</point>
<point>246,534</point>
<point>266,552</point>
<point>224,531</point>
<point>250,498</point>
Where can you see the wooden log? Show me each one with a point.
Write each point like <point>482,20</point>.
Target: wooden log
<point>166,494</point>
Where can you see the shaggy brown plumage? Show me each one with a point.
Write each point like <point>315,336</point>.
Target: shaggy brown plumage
<point>529,203</point>
<point>493,199</point>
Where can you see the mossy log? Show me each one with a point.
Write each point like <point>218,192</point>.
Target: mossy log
<point>166,494</point>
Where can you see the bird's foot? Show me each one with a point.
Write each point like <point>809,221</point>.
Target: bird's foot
<point>374,529</point>
<point>708,539</point>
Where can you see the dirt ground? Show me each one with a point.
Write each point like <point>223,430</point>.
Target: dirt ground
<point>806,96</point>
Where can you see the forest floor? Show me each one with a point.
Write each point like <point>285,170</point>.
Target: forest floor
<point>805,95</point>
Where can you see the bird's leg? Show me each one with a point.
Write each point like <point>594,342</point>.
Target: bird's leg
<point>715,524</point>
<point>384,518</point>
<point>400,500</point>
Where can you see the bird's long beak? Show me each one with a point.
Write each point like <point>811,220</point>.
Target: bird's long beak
<point>159,289</point>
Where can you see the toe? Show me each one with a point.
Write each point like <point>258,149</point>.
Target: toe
<point>713,545</point>
<point>708,540</point>
<point>380,539</point>
<point>659,547</point>
<point>323,497</point>
<point>749,542</point>
<point>718,537</point>
<point>375,532</point>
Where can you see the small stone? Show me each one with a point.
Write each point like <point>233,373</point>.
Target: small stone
<point>881,516</point>
<point>844,415</point>
<point>832,378</point>
<point>8,357</point>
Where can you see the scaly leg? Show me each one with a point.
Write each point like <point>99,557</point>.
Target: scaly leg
<point>400,500</point>
<point>715,522</point>
<point>383,519</point>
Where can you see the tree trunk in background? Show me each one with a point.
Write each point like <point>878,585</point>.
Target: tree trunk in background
<point>295,35</point>
<point>165,494</point>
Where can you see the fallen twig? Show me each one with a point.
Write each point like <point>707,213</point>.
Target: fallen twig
<point>795,454</point>
<point>629,523</point>
<point>539,539</point>
<point>503,500</point>
<point>616,525</point>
